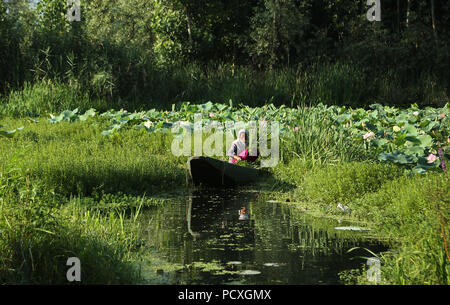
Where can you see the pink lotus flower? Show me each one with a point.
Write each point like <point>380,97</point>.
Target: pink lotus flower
<point>368,135</point>
<point>431,158</point>
<point>211,115</point>
<point>416,113</point>
<point>125,111</point>
<point>442,115</point>
<point>296,128</point>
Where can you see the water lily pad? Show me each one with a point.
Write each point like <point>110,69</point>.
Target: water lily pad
<point>234,263</point>
<point>397,157</point>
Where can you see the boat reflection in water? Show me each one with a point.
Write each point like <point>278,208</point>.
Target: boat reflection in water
<point>209,212</point>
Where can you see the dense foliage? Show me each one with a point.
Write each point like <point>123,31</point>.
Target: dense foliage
<point>156,52</point>
<point>363,109</point>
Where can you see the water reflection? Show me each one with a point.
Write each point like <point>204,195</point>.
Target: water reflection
<point>231,237</point>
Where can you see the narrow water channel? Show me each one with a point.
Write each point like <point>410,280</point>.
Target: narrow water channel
<point>227,237</point>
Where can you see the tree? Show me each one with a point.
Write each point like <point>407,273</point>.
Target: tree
<point>277,28</point>
<point>17,22</point>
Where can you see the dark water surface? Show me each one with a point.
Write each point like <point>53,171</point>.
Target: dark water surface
<point>231,237</point>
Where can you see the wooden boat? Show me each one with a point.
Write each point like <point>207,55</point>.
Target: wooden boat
<point>206,170</point>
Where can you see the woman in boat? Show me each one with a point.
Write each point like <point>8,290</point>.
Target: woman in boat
<point>239,148</point>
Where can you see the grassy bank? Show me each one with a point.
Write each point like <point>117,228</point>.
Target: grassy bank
<point>66,191</point>
<point>411,211</point>
<point>40,231</point>
<point>74,159</point>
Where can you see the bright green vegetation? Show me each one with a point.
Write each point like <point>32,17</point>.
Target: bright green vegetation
<point>75,159</point>
<point>39,232</point>
<point>65,191</point>
<point>67,159</point>
<point>406,136</point>
<point>412,211</point>
<point>69,187</point>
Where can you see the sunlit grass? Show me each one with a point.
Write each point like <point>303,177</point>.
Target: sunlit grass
<point>74,158</point>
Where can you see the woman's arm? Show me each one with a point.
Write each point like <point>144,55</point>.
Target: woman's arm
<point>233,152</point>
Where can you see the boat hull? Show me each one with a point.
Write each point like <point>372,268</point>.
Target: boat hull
<point>209,171</point>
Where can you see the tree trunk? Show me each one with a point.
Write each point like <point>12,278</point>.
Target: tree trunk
<point>189,29</point>
<point>408,10</point>
<point>274,34</point>
<point>433,23</point>
<point>398,16</point>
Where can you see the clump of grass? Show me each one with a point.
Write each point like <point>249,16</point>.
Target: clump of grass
<point>101,201</point>
<point>340,84</point>
<point>43,97</point>
<point>318,140</point>
<point>411,211</point>
<point>75,159</point>
<point>414,212</point>
<point>38,235</point>
<point>346,182</point>
<point>293,171</point>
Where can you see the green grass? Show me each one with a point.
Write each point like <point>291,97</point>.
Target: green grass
<point>410,211</point>
<point>347,181</point>
<point>42,97</point>
<point>75,159</point>
<point>413,212</point>
<point>67,191</point>
<point>39,234</point>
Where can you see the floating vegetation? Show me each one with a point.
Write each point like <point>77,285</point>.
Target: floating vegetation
<point>271,265</point>
<point>250,272</point>
<point>213,267</point>
<point>208,267</point>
